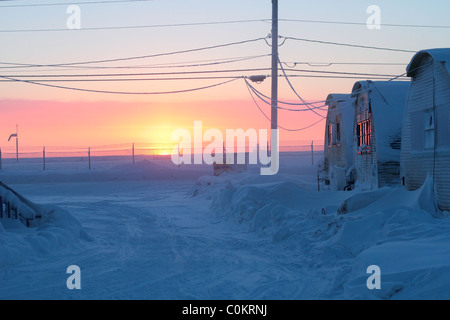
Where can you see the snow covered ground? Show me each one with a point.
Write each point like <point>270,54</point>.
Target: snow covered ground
<point>153,230</point>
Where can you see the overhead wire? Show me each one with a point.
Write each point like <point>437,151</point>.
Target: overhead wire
<point>349,45</point>
<point>201,63</point>
<point>121,92</point>
<point>264,97</point>
<point>270,120</point>
<point>149,55</point>
<point>293,89</point>
<point>365,23</point>
<point>70,3</point>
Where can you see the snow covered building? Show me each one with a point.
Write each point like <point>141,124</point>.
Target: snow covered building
<point>426,123</point>
<point>338,140</point>
<point>377,124</point>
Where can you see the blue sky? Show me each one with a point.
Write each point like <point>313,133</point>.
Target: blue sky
<point>78,45</point>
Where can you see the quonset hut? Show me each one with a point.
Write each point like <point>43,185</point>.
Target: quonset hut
<point>425,136</point>
<point>379,108</point>
<point>338,141</point>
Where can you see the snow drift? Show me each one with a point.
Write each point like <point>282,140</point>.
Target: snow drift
<point>398,230</point>
<point>56,229</point>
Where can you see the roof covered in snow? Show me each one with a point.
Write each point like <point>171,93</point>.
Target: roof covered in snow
<point>441,55</point>
<point>388,101</point>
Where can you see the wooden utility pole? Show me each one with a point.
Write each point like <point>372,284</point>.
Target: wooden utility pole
<point>274,113</point>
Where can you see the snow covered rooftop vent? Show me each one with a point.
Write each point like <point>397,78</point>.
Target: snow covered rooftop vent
<point>441,55</point>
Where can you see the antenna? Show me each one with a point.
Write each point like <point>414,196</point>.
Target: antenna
<point>16,135</point>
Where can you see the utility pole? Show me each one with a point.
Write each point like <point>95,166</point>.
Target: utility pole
<point>274,113</point>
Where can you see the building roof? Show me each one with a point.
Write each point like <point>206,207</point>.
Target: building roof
<point>441,54</point>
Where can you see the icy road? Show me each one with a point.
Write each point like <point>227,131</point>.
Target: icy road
<point>145,233</point>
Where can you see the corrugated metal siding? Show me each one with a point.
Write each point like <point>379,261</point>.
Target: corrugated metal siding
<point>416,162</point>
<point>365,164</point>
<point>442,169</point>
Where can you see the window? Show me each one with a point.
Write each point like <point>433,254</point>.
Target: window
<point>330,134</point>
<point>429,129</point>
<point>338,133</point>
<point>363,134</point>
<point>334,134</point>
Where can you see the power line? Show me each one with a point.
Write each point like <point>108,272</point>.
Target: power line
<point>263,97</point>
<point>198,63</point>
<point>210,77</point>
<point>187,24</point>
<point>328,64</point>
<point>133,27</point>
<point>290,85</point>
<point>281,127</point>
<point>120,92</point>
<point>340,77</point>
<point>349,45</point>
<point>137,74</point>
<point>365,23</point>
<point>196,72</point>
<point>127,79</point>
<point>150,55</point>
<point>195,50</point>
<point>70,3</point>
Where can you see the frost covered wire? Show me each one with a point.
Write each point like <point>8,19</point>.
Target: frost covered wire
<point>293,64</point>
<point>121,92</point>
<point>281,127</point>
<point>200,63</point>
<point>149,55</point>
<point>69,3</point>
<point>349,45</point>
<point>263,98</point>
<point>290,84</point>
<point>134,27</point>
<point>365,23</point>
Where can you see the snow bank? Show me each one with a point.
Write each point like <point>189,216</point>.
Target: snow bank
<point>396,229</point>
<point>57,229</point>
<point>362,199</point>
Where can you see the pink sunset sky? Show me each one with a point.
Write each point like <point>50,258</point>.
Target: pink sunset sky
<point>35,33</point>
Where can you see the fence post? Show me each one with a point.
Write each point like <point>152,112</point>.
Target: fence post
<point>0,158</point>
<point>133,152</point>
<point>89,157</point>
<point>43,157</point>
<point>312,152</point>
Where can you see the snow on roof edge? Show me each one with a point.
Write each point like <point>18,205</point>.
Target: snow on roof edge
<point>437,54</point>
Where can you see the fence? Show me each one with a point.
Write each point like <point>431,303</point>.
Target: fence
<point>45,157</point>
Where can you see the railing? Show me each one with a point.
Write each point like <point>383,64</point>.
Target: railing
<point>13,205</point>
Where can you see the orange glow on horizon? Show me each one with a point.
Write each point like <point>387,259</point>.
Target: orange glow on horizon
<point>51,123</point>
